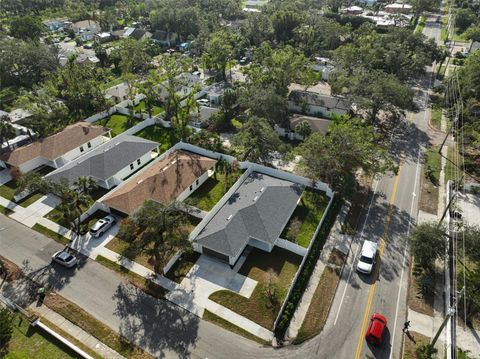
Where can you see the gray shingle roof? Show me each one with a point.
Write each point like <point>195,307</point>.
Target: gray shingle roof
<point>260,208</point>
<point>106,160</point>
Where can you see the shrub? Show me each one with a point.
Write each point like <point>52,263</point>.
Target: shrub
<point>6,328</point>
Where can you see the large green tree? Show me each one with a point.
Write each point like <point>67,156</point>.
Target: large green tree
<point>219,52</point>
<point>257,141</point>
<point>428,243</point>
<point>6,329</point>
<point>26,28</point>
<point>158,230</point>
<point>349,146</point>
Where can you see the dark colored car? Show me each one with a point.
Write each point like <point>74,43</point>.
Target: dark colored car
<point>376,328</point>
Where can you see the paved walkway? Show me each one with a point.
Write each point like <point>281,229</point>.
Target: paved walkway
<point>76,332</point>
<point>33,213</point>
<point>335,240</point>
<point>5,176</point>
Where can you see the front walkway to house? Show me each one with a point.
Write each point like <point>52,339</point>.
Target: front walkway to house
<point>334,240</point>
<point>33,213</point>
<point>76,332</point>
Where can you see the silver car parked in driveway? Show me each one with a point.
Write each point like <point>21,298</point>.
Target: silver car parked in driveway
<point>102,225</point>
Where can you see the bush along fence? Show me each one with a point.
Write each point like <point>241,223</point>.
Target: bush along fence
<point>302,281</point>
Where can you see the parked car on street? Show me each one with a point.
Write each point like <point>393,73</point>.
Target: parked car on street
<point>367,257</point>
<point>376,328</point>
<point>102,225</point>
<point>64,258</point>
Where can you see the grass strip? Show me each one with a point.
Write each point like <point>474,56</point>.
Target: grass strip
<point>5,211</point>
<point>70,338</point>
<point>82,319</point>
<point>138,281</point>
<point>50,234</point>
<point>225,324</point>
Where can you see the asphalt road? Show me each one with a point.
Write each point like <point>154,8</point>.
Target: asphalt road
<point>168,331</point>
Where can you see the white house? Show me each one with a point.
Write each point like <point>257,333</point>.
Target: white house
<point>317,104</point>
<point>57,150</point>
<point>172,176</point>
<point>186,83</point>
<point>117,93</point>
<point>86,29</point>
<point>110,163</point>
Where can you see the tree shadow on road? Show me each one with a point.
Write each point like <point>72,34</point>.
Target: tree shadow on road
<point>153,324</point>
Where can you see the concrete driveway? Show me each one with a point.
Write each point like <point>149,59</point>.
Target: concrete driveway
<point>207,276</point>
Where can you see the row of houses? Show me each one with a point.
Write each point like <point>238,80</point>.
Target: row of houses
<point>253,213</point>
<point>396,14</point>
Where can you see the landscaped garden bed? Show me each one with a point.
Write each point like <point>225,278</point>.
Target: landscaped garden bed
<point>306,217</point>
<point>164,136</point>
<point>182,266</point>
<point>212,190</point>
<point>274,273</point>
<point>118,123</point>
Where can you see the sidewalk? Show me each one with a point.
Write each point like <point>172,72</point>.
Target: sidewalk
<point>335,240</point>
<point>76,332</point>
<point>30,215</point>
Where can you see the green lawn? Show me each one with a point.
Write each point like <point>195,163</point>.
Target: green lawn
<point>7,190</point>
<point>5,211</point>
<point>421,24</point>
<point>30,199</point>
<point>182,266</point>
<point>51,234</point>
<point>30,342</point>
<point>451,171</point>
<point>141,107</point>
<point>211,191</point>
<point>436,117</point>
<point>164,136</point>
<point>306,217</point>
<point>118,123</point>
<point>280,263</point>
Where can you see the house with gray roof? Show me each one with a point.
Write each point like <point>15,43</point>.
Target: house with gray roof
<point>317,103</point>
<point>255,214</point>
<point>110,163</point>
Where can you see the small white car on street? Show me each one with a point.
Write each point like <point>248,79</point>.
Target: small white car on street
<point>101,226</point>
<point>367,257</point>
<point>64,258</point>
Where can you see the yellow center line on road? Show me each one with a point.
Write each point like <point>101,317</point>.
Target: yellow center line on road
<point>382,246</point>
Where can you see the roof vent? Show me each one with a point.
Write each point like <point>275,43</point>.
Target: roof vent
<point>255,199</point>
<point>229,217</point>
<point>140,181</point>
<point>262,189</point>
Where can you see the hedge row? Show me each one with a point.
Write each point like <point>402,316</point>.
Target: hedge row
<point>301,284</point>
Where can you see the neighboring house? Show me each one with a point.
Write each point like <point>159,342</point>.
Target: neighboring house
<point>255,215</point>
<point>19,115</point>
<point>23,135</point>
<point>200,117</point>
<point>56,24</point>
<point>57,150</point>
<point>397,8</point>
<point>103,37</point>
<point>320,125</point>
<point>128,31</point>
<point>187,83</point>
<point>353,10</point>
<point>324,66</point>
<point>317,104</point>
<point>87,59</point>
<point>86,29</point>
<point>117,93</point>
<point>216,91</point>
<point>171,177</point>
<point>110,163</point>
<point>254,5</point>
<point>140,34</point>
<point>117,34</point>
<point>165,38</point>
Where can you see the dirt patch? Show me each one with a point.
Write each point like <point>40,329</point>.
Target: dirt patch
<point>410,346</point>
<point>420,300</point>
<point>429,196</point>
<point>358,202</point>
<point>336,258</point>
<point>10,269</point>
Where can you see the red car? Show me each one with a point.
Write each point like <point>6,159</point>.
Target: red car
<point>376,328</point>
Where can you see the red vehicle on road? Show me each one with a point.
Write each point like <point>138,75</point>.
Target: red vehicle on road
<point>376,328</point>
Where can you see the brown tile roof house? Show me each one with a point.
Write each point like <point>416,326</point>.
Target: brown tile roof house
<point>162,182</point>
<point>55,146</point>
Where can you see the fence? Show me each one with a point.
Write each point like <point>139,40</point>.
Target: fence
<point>300,267</point>
<point>290,246</point>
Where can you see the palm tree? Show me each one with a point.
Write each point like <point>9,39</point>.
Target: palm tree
<point>303,129</point>
<point>7,131</point>
<point>163,231</point>
<point>72,206</point>
<point>85,185</point>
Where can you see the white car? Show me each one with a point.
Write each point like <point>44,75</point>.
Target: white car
<point>64,258</point>
<point>203,102</point>
<point>367,258</point>
<point>102,225</point>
